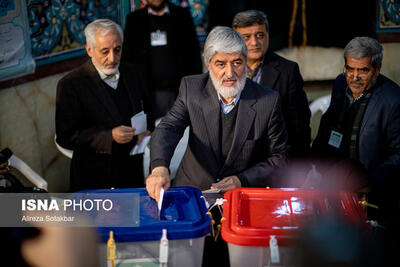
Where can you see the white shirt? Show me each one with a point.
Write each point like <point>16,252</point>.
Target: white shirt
<point>226,108</point>
<point>111,80</point>
<point>152,12</point>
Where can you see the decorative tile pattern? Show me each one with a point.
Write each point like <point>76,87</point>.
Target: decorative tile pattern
<point>57,26</point>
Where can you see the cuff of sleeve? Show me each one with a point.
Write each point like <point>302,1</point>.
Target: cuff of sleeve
<point>243,180</point>
<point>104,144</point>
<point>158,163</point>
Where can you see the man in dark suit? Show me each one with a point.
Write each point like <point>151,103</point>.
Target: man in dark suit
<point>362,123</point>
<point>161,39</point>
<point>237,133</point>
<point>275,72</point>
<point>94,106</point>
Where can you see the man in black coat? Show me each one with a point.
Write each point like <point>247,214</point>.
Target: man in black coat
<point>279,74</point>
<point>161,39</point>
<point>94,106</point>
<point>237,134</point>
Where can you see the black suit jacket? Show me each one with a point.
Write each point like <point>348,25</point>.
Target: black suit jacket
<point>85,117</point>
<point>181,36</point>
<point>284,76</point>
<point>259,142</point>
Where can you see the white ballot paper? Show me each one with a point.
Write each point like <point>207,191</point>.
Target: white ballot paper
<point>138,149</point>
<point>160,201</point>
<point>139,122</point>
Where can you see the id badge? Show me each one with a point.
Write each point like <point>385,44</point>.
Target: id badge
<point>335,139</point>
<point>158,38</point>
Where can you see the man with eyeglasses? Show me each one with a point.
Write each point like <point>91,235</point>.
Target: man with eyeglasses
<point>362,124</point>
<point>275,72</point>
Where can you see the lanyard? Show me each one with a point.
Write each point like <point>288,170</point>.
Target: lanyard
<point>257,78</point>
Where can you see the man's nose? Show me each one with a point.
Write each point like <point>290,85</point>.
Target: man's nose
<point>229,70</point>
<point>253,40</point>
<point>356,75</point>
<point>111,56</point>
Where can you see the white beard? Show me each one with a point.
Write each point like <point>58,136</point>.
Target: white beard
<point>109,71</point>
<point>228,91</point>
<point>105,70</point>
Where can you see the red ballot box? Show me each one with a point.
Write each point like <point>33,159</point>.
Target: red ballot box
<point>261,225</point>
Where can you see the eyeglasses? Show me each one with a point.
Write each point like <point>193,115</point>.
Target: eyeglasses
<point>350,72</point>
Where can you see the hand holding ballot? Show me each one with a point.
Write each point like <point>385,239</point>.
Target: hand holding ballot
<point>123,134</point>
<point>139,122</point>
<point>159,178</point>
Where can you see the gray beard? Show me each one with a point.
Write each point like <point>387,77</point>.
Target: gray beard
<point>228,91</point>
<point>104,70</point>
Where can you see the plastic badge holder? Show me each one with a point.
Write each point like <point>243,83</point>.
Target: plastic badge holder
<point>183,217</point>
<point>261,224</point>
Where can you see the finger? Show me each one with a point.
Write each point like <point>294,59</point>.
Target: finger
<point>167,185</point>
<point>139,140</point>
<point>150,185</point>
<point>153,188</point>
<point>127,129</point>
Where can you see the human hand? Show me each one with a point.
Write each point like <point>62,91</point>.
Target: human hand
<point>3,169</point>
<point>159,178</point>
<point>227,184</point>
<point>142,135</point>
<point>123,134</point>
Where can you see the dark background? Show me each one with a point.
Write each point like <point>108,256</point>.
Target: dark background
<point>329,23</point>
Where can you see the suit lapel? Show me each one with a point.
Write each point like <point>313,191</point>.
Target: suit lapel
<point>211,112</point>
<point>244,121</point>
<point>371,107</point>
<point>270,73</point>
<point>100,91</point>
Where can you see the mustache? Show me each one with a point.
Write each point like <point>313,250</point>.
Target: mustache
<point>226,78</point>
<point>110,63</point>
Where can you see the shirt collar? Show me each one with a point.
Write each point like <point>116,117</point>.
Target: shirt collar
<point>349,95</point>
<point>103,76</point>
<point>255,74</point>
<point>227,107</point>
<point>111,80</point>
<point>152,12</point>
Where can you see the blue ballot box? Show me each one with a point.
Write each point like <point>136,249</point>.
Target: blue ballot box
<point>137,226</point>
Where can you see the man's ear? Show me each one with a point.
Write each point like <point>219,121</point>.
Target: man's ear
<point>378,68</point>
<point>89,50</point>
<point>206,64</point>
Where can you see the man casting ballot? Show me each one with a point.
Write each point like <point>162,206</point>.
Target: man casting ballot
<point>237,133</point>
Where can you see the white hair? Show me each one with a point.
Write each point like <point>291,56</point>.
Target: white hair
<point>104,26</point>
<point>223,40</point>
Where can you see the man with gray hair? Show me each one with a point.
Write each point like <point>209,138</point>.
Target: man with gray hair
<point>273,71</point>
<point>93,110</point>
<point>237,133</point>
<point>362,123</point>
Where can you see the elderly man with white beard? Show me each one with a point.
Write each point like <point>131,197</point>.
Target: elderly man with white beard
<point>95,103</point>
<point>237,133</point>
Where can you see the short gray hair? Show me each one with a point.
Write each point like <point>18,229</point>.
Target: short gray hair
<point>249,18</point>
<point>361,47</point>
<point>104,26</point>
<point>223,40</point>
